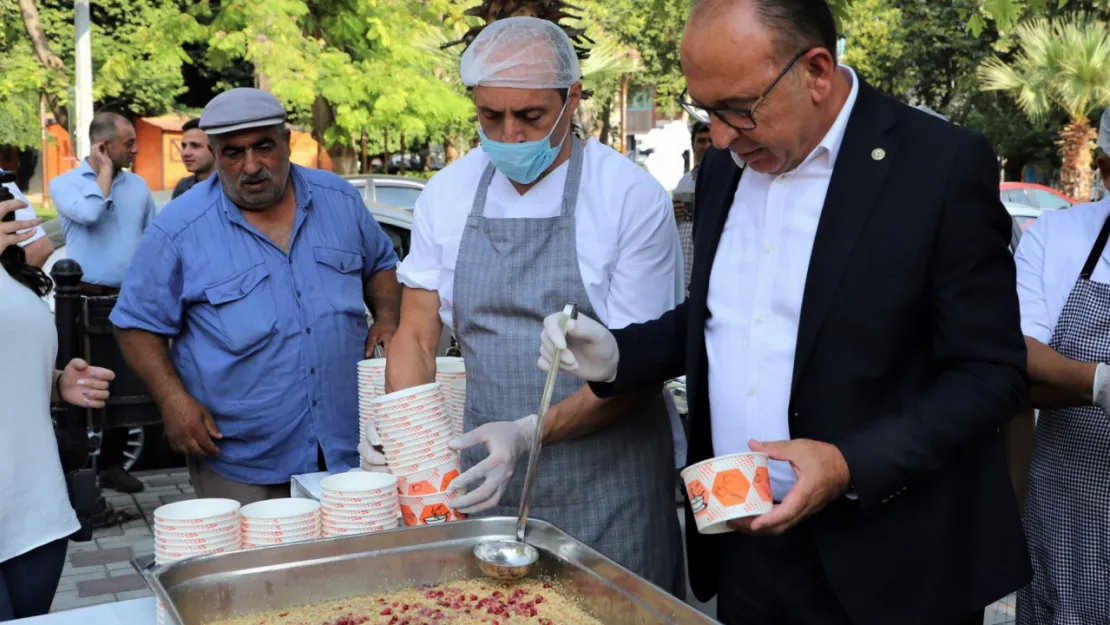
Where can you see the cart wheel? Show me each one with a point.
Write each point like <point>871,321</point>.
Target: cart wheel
<point>136,443</point>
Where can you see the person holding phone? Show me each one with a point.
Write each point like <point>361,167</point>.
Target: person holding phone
<point>683,198</point>
<point>36,518</point>
<point>37,246</point>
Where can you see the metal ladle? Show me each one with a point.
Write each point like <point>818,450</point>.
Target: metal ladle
<point>513,559</point>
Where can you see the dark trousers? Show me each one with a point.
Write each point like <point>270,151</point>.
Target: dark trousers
<point>28,582</point>
<point>778,580</point>
<point>113,444</point>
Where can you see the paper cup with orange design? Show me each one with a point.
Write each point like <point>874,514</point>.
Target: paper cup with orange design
<point>429,510</point>
<point>726,488</point>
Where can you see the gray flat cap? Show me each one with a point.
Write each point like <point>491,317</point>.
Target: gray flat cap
<point>240,109</point>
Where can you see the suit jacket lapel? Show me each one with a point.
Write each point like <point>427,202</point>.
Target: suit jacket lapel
<point>861,167</point>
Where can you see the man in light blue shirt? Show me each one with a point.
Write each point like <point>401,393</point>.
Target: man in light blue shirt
<point>261,275</point>
<point>104,209</point>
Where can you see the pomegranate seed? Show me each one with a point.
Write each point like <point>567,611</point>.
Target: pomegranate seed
<point>473,597</point>
<point>498,594</point>
<point>538,599</point>
<point>386,612</point>
<point>546,585</point>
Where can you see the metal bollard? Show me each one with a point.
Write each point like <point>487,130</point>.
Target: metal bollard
<point>71,422</point>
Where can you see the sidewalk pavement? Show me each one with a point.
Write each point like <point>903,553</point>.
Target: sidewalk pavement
<point>100,571</point>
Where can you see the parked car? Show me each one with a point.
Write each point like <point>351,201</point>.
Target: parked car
<point>1023,216</point>
<point>388,190</point>
<point>145,445</point>
<point>1033,195</point>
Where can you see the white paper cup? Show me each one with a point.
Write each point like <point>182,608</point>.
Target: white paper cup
<point>372,363</point>
<point>357,485</point>
<point>726,488</point>
<point>428,481</point>
<point>170,555</point>
<point>352,527</point>
<point>303,531</point>
<point>417,457</point>
<point>197,544</point>
<point>207,534</point>
<point>277,511</point>
<point>429,510</point>
<point>409,394</point>
<point>409,469</point>
<point>387,516</point>
<point>197,512</point>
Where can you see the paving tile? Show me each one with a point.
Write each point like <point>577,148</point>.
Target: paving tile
<point>110,585</point>
<point>135,523</point>
<point>168,480</point>
<point>119,500</point>
<point>133,594</point>
<point>71,599</point>
<point>134,542</point>
<point>119,566</point>
<point>177,497</point>
<point>104,556</point>
<point>69,582</point>
<point>73,547</point>
<point>107,532</point>
<point>71,569</point>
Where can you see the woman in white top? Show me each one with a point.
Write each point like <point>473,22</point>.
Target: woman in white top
<point>36,518</point>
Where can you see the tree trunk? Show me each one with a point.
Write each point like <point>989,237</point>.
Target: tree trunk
<point>404,153</point>
<point>606,126</point>
<point>450,149</point>
<point>365,166</point>
<point>344,159</point>
<point>387,158</point>
<point>1077,140</point>
<point>35,32</point>
<point>624,116</point>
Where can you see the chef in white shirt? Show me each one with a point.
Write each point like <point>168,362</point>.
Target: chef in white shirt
<point>1063,271</point>
<point>38,248</point>
<point>538,218</point>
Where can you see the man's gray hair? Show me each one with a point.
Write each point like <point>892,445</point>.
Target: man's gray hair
<point>105,127</point>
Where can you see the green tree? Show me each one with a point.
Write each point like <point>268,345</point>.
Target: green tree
<point>1060,65</point>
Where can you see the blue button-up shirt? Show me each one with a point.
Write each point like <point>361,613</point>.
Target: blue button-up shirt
<point>102,233</point>
<point>268,341</point>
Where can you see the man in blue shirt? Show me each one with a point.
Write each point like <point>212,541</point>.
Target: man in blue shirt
<point>261,275</point>
<point>104,209</point>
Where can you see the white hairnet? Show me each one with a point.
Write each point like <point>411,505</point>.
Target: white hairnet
<point>1104,131</point>
<point>521,52</point>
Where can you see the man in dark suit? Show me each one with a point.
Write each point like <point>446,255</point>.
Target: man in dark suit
<point>852,315</point>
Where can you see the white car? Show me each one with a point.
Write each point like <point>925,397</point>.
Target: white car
<point>1023,216</point>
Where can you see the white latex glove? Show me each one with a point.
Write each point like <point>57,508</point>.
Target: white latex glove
<point>1101,390</point>
<point>589,348</point>
<point>506,442</point>
<point>371,459</point>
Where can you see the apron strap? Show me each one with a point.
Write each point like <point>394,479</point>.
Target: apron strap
<point>479,206</point>
<point>1096,251</point>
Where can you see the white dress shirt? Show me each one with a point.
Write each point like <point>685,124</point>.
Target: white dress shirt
<point>34,504</point>
<point>628,249</point>
<point>1049,258</point>
<point>755,299</point>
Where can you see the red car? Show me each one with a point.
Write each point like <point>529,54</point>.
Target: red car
<point>1034,195</point>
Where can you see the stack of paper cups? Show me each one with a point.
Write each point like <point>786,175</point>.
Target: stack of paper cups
<point>358,503</point>
<point>451,374</point>
<point>279,522</point>
<point>414,428</point>
<point>194,528</point>
<point>369,372</point>
<point>455,400</point>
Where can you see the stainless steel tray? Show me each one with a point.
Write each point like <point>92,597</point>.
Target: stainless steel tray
<point>229,585</point>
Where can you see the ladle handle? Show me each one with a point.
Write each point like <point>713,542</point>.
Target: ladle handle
<point>570,312</point>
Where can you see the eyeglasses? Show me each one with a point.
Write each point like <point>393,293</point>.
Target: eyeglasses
<point>740,119</point>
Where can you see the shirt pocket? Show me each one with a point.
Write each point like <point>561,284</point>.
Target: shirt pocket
<point>341,279</point>
<point>245,308</point>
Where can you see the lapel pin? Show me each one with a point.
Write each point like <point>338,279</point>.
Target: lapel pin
<point>878,154</point>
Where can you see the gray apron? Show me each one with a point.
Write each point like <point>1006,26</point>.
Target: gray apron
<point>1067,512</point>
<point>613,489</point>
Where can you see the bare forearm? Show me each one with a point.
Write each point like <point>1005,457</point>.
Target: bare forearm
<point>148,355</point>
<point>1056,381</point>
<point>38,252</point>
<point>412,361</point>
<point>104,181</point>
<point>584,413</point>
<point>382,293</point>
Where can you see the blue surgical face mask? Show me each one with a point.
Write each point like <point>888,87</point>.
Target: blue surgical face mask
<point>524,162</point>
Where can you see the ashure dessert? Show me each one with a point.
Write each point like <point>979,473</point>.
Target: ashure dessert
<point>470,602</point>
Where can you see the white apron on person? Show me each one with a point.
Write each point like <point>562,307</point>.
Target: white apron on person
<point>613,489</point>
<point>1067,512</point>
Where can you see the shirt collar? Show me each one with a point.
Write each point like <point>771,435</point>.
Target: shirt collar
<point>833,139</point>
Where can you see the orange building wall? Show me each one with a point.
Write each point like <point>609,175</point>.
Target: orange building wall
<point>149,160</point>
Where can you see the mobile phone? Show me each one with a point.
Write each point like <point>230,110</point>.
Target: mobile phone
<point>6,194</point>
